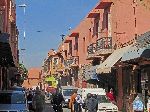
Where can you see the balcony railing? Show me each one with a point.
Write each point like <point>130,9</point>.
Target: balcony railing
<point>74,60</point>
<point>91,48</point>
<point>104,45</point>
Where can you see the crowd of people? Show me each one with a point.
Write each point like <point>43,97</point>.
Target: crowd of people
<point>36,101</point>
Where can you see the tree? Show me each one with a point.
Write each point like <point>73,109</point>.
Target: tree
<point>23,72</point>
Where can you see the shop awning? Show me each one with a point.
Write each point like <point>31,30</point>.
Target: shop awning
<point>105,67</point>
<point>6,58</point>
<point>141,48</point>
<point>135,52</point>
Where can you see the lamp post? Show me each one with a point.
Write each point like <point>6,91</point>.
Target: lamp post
<point>24,22</point>
<point>24,12</point>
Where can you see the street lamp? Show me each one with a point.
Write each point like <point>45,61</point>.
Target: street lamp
<point>24,12</point>
<point>24,32</point>
<point>62,37</point>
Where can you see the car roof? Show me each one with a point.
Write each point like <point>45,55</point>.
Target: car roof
<point>11,91</point>
<point>69,87</point>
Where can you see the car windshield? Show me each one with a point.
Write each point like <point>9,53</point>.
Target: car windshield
<point>12,98</point>
<point>102,99</point>
<point>67,92</point>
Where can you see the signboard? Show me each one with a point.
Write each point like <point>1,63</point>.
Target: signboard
<point>138,104</point>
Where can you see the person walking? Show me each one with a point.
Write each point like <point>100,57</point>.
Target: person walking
<point>57,99</point>
<point>92,104</point>
<point>38,101</point>
<point>72,101</point>
<point>29,99</point>
<point>111,96</point>
<point>86,101</point>
<point>78,103</point>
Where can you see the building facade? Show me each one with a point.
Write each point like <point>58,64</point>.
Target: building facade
<point>102,47</point>
<point>9,54</point>
<point>34,79</point>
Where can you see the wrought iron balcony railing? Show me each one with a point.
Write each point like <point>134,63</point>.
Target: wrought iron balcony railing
<point>91,48</point>
<point>104,43</point>
<point>74,60</point>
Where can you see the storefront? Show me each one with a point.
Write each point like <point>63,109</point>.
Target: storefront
<point>136,74</point>
<point>6,61</point>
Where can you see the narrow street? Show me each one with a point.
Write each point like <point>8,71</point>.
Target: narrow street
<point>48,108</point>
<point>90,54</point>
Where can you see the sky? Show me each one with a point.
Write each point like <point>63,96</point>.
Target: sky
<point>44,21</point>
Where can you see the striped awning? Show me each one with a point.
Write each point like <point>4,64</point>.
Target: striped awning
<point>106,66</point>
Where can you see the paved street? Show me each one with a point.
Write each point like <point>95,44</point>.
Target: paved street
<point>48,108</point>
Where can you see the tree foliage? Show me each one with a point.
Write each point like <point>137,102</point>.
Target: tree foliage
<point>23,71</point>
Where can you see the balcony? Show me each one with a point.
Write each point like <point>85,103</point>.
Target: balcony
<point>91,49</point>
<point>60,67</point>
<point>104,46</point>
<point>72,62</point>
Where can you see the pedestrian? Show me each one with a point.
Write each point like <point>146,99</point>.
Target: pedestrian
<point>72,100</point>
<point>92,104</point>
<point>95,96</point>
<point>111,96</point>
<point>86,101</point>
<point>29,99</point>
<point>38,101</point>
<point>78,103</point>
<point>57,99</point>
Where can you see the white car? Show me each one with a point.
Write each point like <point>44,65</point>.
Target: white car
<point>67,92</point>
<point>104,105</point>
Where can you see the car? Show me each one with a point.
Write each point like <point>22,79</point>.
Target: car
<point>17,88</point>
<point>67,92</point>
<point>13,101</point>
<point>104,105</point>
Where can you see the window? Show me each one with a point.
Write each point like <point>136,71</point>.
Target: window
<point>55,61</point>
<point>76,44</point>
<point>96,28</point>
<point>84,44</point>
<point>70,48</point>
<point>90,35</point>
<point>12,98</point>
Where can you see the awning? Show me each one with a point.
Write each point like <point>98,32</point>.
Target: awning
<point>135,52</point>
<point>104,4</point>
<point>140,49</point>
<point>94,13</point>
<point>67,40</point>
<point>6,58</point>
<point>74,34</point>
<point>105,67</point>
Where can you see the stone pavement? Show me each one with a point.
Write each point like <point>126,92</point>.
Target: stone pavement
<point>48,108</point>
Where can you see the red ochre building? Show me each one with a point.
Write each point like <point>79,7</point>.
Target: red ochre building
<point>9,53</point>
<point>110,49</point>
